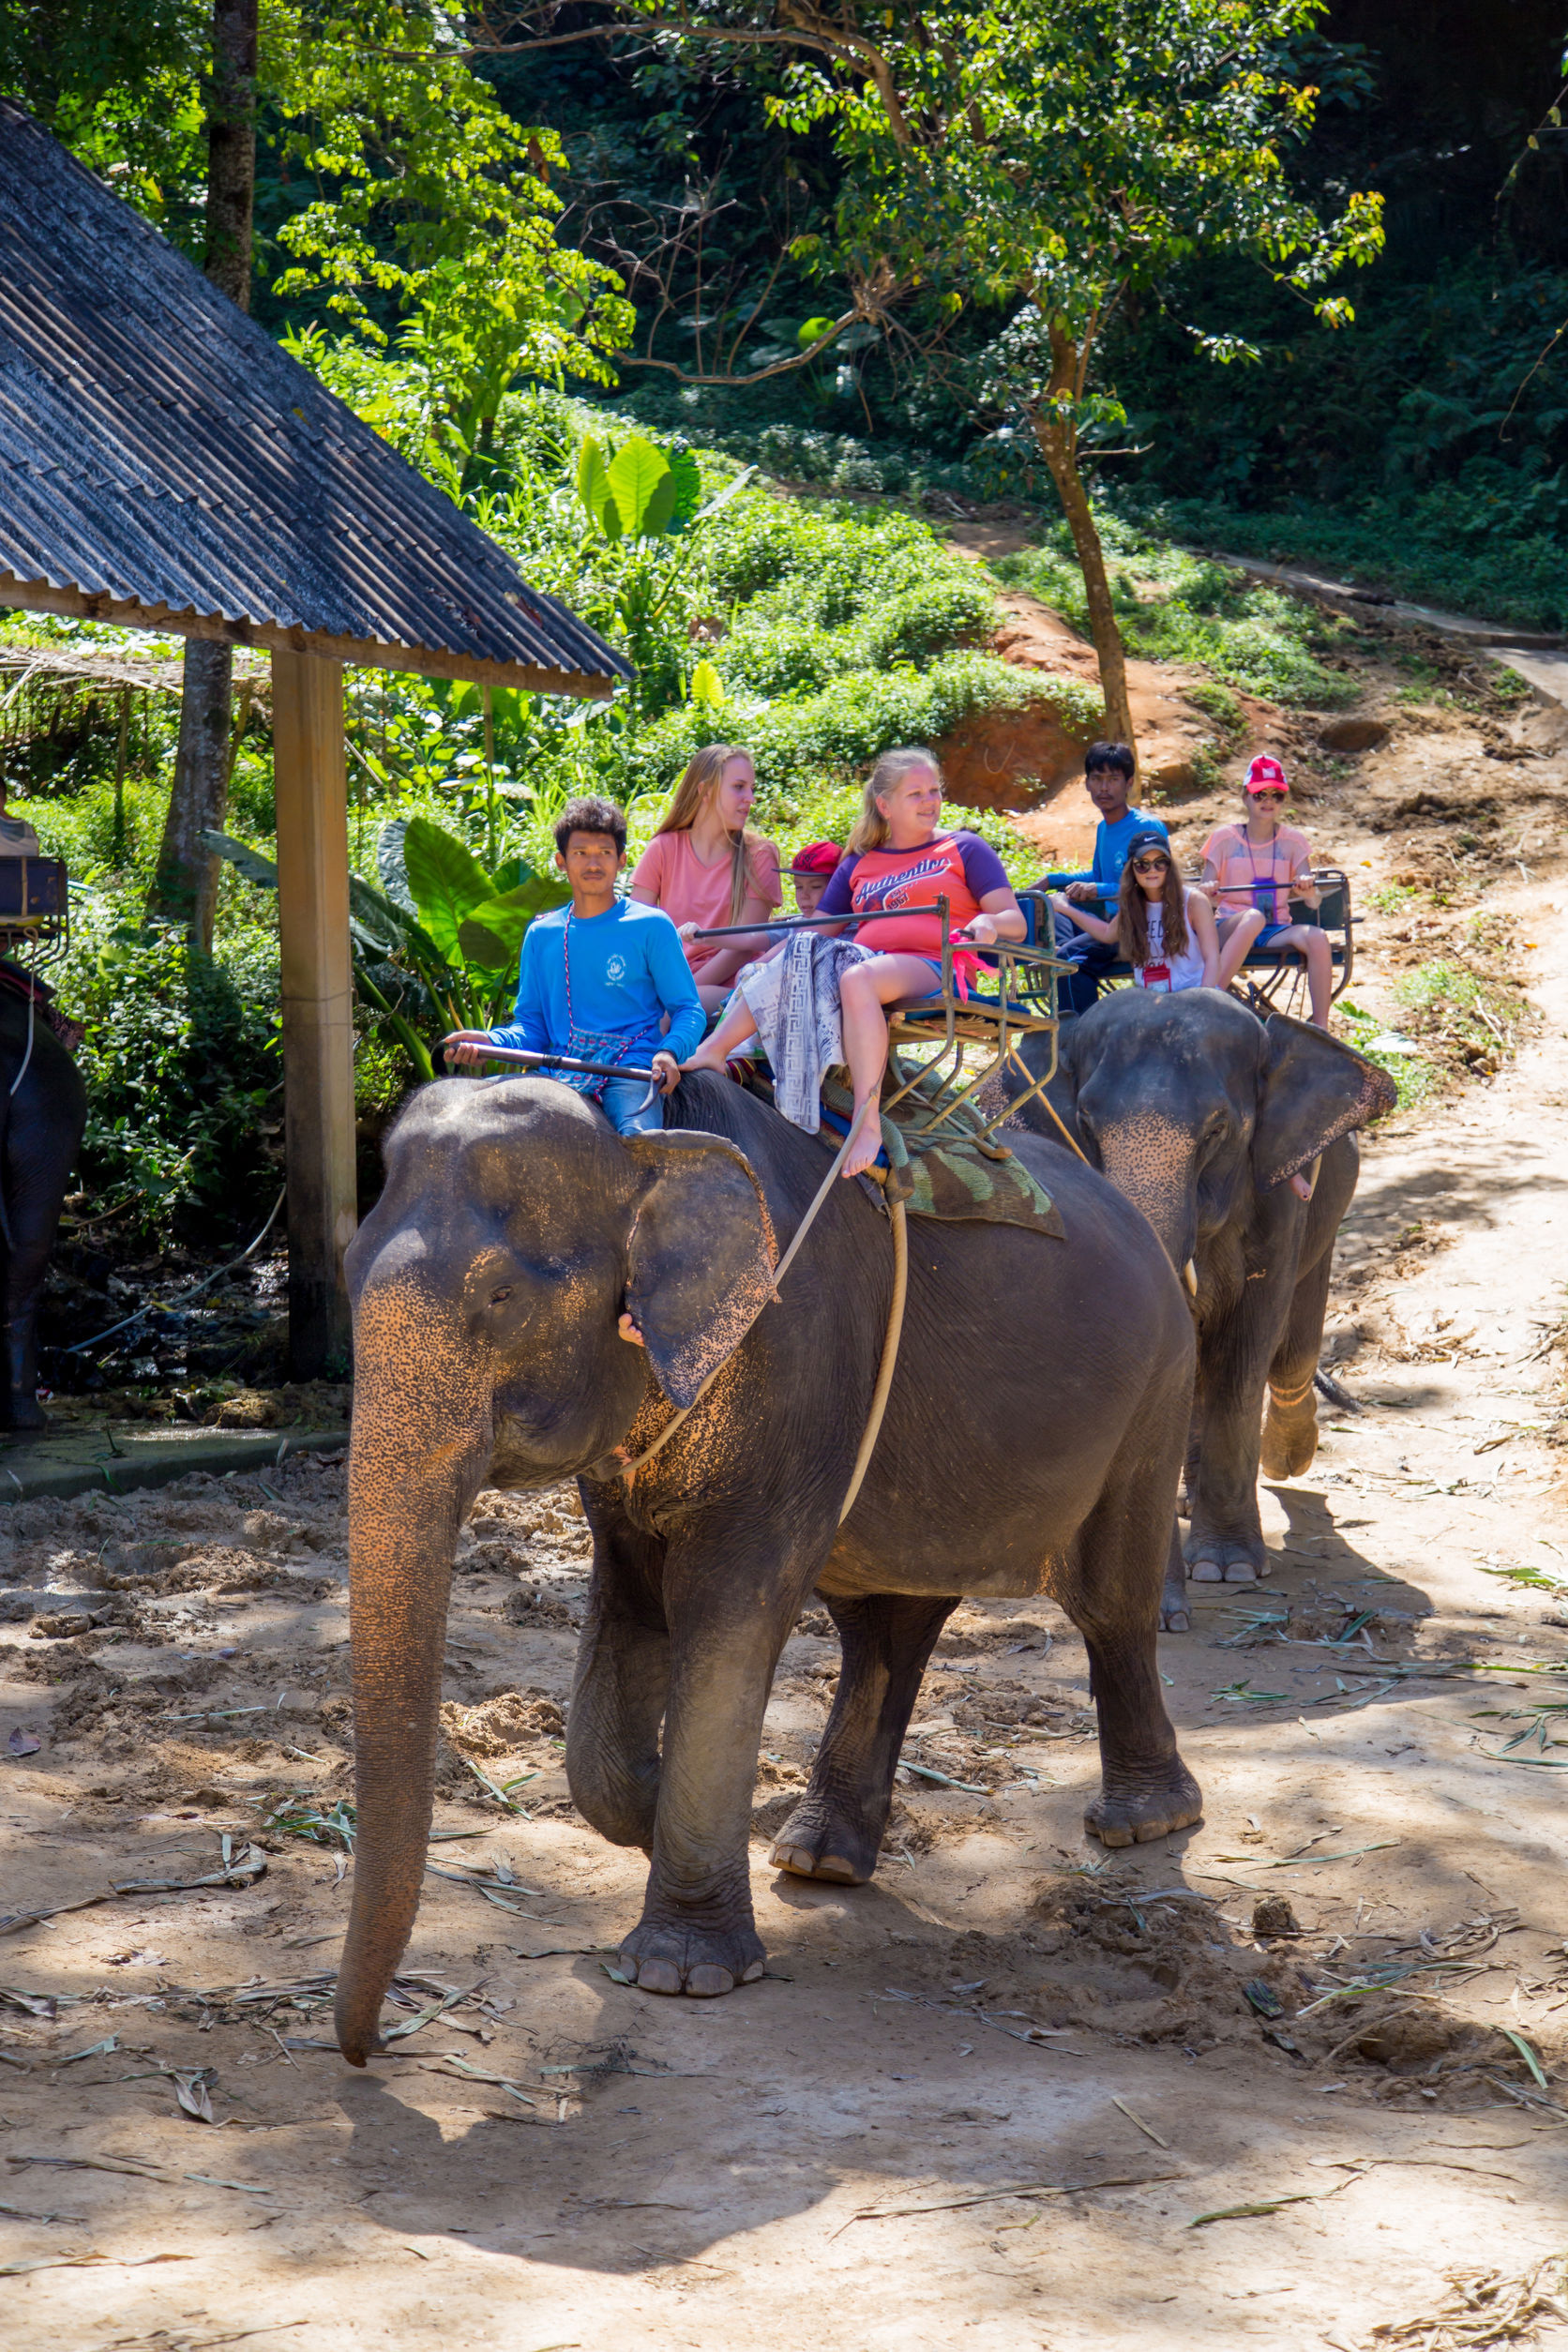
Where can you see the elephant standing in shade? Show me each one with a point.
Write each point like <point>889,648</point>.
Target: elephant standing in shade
<point>1032,1443</point>
<point>41,1121</point>
<point>1199,1112</point>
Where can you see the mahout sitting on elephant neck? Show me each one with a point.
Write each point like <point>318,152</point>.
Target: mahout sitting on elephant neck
<point>514,1231</point>
<point>1202,1115</point>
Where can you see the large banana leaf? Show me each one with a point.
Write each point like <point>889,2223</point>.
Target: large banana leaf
<point>644,488</point>
<point>593,487</point>
<point>491,936</point>
<point>446,880</point>
<point>389,863</point>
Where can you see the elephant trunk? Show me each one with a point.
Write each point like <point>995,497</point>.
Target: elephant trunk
<point>1149,1160</point>
<point>420,1447</point>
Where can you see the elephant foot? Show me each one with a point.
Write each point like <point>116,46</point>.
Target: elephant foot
<point>1212,1561</point>
<point>24,1415</point>
<point>1138,1816</point>
<point>701,1961</point>
<point>818,1843</point>
<point>1289,1443</point>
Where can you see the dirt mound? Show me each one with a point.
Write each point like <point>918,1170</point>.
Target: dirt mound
<point>1011,758</point>
<point>504,1724</point>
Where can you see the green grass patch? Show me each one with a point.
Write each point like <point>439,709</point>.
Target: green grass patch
<point>1173,606</point>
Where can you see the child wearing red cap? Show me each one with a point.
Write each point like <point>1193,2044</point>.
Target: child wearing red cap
<point>811,870</point>
<point>1253,870</point>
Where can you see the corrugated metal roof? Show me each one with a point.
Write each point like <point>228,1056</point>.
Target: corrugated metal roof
<point>163,463</point>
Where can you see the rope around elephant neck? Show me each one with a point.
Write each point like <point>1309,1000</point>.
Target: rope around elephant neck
<point>890,1340</point>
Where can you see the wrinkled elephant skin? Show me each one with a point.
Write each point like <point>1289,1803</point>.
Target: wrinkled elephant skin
<point>515,1230</point>
<point>40,1130</point>
<point>1199,1113</point>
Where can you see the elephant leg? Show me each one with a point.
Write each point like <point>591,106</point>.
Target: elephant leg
<point>42,1131</point>
<point>1113,1597</point>
<point>622,1680</point>
<point>835,1832</point>
<point>1225,1541</point>
<point>728,1618</point>
<point>1290,1424</point>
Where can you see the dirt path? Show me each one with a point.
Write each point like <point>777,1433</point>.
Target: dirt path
<point>560,2161</point>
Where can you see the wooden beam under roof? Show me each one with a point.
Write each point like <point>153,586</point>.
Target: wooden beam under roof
<point>37,595</point>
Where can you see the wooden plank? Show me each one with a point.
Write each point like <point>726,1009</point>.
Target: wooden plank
<point>318,1002</point>
<point>37,595</point>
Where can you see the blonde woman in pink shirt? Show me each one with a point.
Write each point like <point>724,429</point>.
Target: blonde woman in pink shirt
<point>706,867</point>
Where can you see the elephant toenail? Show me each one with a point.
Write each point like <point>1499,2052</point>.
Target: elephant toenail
<point>750,1975</point>
<point>658,1976</point>
<point>709,1980</point>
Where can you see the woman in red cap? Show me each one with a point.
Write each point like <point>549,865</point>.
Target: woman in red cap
<point>1253,870</point>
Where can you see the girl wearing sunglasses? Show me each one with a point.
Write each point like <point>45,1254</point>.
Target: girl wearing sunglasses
<point>1163,929</point>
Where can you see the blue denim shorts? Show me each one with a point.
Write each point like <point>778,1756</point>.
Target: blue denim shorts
<point>619,1103</point>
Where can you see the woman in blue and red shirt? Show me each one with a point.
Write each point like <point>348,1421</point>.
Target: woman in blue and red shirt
<point>898,859</point>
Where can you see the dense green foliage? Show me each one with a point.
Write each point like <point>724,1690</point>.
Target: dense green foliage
<point>818,634</point>
<point>1176,607</point>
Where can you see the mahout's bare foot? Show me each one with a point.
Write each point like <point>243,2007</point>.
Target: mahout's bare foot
<point>703,1962</point>
<point>820,1841</point>
<point>1135,1816</point>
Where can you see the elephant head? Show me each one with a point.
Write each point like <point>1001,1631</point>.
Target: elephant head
<point>1190,1104</point>
<point>487,1285</point>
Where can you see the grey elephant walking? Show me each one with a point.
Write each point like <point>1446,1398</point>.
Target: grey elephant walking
<point>1032,1443</point>
<point>1199,1113</point>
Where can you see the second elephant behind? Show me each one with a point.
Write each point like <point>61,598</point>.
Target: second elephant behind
<point>1199,1113</point>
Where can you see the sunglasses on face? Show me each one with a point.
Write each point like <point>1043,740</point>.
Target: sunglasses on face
<point>1150,864</point>
<point>1268,792</point>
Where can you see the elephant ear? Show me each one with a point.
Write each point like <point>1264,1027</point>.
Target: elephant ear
<point>1314,1090</point>
<point>702,1254</point>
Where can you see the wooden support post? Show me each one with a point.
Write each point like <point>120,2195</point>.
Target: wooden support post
<point>317,986</point>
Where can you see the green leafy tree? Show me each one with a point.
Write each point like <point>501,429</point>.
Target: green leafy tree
<point>434,204</point>
<point>1046,161</point>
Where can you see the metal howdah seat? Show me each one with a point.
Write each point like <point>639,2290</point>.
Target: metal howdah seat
<point>997,1018</point>
<point>1271,979</point>
<point>34,906</point>
<point>1016,999</point>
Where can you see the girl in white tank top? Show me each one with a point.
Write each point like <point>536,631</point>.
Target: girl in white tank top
<point>1166,932</point>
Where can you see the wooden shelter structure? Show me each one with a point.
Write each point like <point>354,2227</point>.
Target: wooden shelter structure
<point>165,466</point>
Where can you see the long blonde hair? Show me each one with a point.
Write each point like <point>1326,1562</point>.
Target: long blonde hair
<point>871,828</point>
<point>691,795</point>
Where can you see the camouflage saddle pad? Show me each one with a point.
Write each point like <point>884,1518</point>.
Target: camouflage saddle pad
<point>954,1173</point>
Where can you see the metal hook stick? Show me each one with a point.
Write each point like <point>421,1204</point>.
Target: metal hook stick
<point>517,1059</point>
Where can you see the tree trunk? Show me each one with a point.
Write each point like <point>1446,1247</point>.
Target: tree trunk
<point>1056,443</point>
<point>184,886</point>
<point>1056,430</point>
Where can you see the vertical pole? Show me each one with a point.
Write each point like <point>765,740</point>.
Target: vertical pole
<point>311,788</point>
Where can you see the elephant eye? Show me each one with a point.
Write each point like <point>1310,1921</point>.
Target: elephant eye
<point>499,1297</point>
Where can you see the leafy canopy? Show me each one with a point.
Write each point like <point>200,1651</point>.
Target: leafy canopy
<point>434,200</point>
<point>1074,150</point>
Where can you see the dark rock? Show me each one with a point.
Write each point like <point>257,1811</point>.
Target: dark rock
<point>1354,734</point>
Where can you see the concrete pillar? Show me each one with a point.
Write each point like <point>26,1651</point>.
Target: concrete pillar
<point>317,987</point>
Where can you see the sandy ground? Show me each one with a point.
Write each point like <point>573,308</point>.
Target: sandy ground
<point>849,2155</point>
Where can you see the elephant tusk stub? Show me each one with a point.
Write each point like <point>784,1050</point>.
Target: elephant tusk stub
<point>1189,1276</point>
